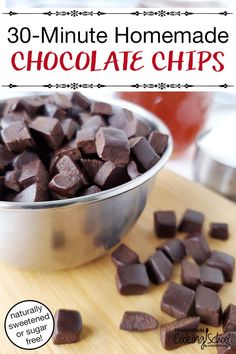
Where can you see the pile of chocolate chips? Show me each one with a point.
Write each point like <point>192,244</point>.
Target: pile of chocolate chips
<point>60,147</point>
<point>196,299</point>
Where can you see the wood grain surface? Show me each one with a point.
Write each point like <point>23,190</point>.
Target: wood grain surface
<point>91,289</point>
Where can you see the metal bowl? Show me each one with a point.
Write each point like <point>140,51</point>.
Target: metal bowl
<point>66,233</point>
<point>212,173</point>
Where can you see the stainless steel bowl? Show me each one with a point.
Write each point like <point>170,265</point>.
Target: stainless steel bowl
<point>212,173</point>
<point>62,234</point>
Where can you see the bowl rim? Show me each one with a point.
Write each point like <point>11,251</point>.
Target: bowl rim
<point>151,118</point>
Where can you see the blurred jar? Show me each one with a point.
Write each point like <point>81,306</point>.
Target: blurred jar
<point>185,113</point>
<point>183,3</point>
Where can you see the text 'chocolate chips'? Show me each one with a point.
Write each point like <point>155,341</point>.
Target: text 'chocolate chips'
<point>136,321</point>
<point>132,279</point>
<point>68,327</point>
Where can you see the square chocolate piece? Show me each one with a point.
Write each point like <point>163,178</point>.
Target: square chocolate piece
<point>174,249</point>
<point>16,137</point>
<point>208,306</point>
<point>178,301</point>
<point>211,278</point>
<point>158,142</point>
<point>229,319</point>
<point>190,274</point>
<point>68,327</point>
<point>137,128</point>
<point>136,321</point>
<point>124,255</point>
<point>191,222</point>
<point>159,268</point>
<point>102,108</point>
<point>219,231</point>
<point>197,247</point>
<point>222,261</point>
<point>132,279</point>
<point>111,175</point>
<point>120,118</point>
<point>143,153</point>
<point>80,100</point>
<point>165,224</point>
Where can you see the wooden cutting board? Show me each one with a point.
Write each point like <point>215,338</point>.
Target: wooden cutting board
<point>91,289</point>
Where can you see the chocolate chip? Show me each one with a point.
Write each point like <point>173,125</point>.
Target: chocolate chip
<point>132,170</point>
<point>6,158</point>
<point>91,190</point>
<point>190,274</point>
<point>94,123</point>
<point>112,145</point>
<point>132,279</point>
<point>159,268</point>
<point>137,128</point>
<point>111,175</point>
<point>69,127</point>
<point>63,101</point>
<point>178,301</point>
<point>85,140</point>
<point>222,261</point>
<point>68,327</point>
<point>165,224</point>
<point>208,306</point>
<point>33,193</point>
<point>226,343</point>
<point>219,231</point>
<point>211,278</point>
<point>33,172</point>
<point>16,137</point>
<point>80,100</point>
<point>158,142</point>
<point>11,180</point>
<point>143,153</point>
<point>179,332</point>
<point>191,222</point>
<point>71,150</point>
<point>229,319</point>
<point>120,119</point>
<point>24,158</point>
<point>91,167</point>
<point>50,130</point>
<point>174,249</point>
<point>15,117</point>
<point>136,321</point>
<point>197,247</point>
<point>32,106</point>
<point>124,255</point>
<point>53,111</point>
<point>102,108</point>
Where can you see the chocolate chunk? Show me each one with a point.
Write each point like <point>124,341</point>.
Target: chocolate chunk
<point>69,127</point>
<point>226,343</point>
<point>24,158</point>
<point>112,145</point>
<point>6,158</point>
<point>159,268</point>
<point>208,306</point>
<point>190,274</point>
<point>137,128</point>
<point>80,100</point>
<point>165,224</point>
<point>179,332</point>
<point>11,180</point>
<point>219,231</point>
<point>49,130</point>
<point>70,150</point>
<point>15,117</point>
<point>16,137</point>
<point>222,261</point>
<point>53,111</point>
<point>33,193</point>
<point>121,118</point>
<point>94,123</point>
<point>132,170</point>
<point>111,175</point>
<point>69,180</point>
<point>158,142</point>
<point>124,255</point>
<point>85,140</point>
<point>132,279</point>
<point>136,321</point>
<point>144,154</point>
<point>33,172</point>
<point>211,278</point>
<point>91,190</point>
<point>68,327</point>
<point>63,101</point>
<point>174,249</point>
<point>229,319</point>
<point>191,222</point>
<point>197,247</point>
<point>74,112</point>
<point>31,105</point>
<point>102,108</point>
<point>178,301</point>
<point>91,167</point>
